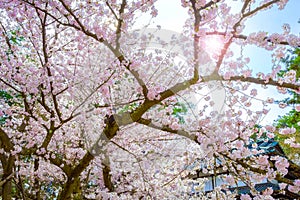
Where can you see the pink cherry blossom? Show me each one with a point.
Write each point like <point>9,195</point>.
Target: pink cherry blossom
<point>282,186</point>
<point>294,189</point>
<point>263,160</point>
<point>230,180</point>
<point>268,191</point>
<point>287,131</point>
<point>245,197</point>
<point>94,103</point>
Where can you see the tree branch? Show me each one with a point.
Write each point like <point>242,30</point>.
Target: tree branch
<point>6,179</point>
<point>183,133</point>
<point>252,80</point>
<point>6,144</point>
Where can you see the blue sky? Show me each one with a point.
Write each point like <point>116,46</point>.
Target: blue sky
<point>171,16</point>
<point>271,21</point>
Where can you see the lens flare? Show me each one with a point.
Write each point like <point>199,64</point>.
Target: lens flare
<point>213,45</point>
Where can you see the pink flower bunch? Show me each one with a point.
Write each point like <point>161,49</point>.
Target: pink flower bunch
<point>294,188</point>
<point>281,164</point>
<point>153,94</point>
<point>290,76</point>
<point>287,131</point>
<point>230,180</point>
<point>263,160</point>
<point>245,197</point>
<point>297,108</point>
<point>268,191</point>
<point>292,142</point>
<point>293,40</point>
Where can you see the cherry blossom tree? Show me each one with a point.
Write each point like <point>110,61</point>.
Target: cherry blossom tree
<point>89,111</point>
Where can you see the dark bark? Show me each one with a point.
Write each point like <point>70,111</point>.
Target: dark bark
<point>69,186</point>
<point>7,165</point>
<point>106,172</point>
<point>7,172</point>
<point>36,179</point>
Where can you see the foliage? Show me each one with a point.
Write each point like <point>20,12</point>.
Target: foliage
<point>179,110</point>
<point>291,119</point>
<point>292,62</point>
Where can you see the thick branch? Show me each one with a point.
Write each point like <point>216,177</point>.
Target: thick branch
<point>106,173</point>
<point>120,22</point>
<point>263,6</point>
<point>183,133</point>
<point>68,186</point>
<point>244,37</point>
<point>6,179</point>
<point>265,82</point>
<point>5,143</point>
<point>252,80</point>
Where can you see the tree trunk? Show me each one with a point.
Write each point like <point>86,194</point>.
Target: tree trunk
<point>6,190</point>
<point>106,172</point>
<point>73,178</point>
<point>7,171</point>
<point>36,180</point>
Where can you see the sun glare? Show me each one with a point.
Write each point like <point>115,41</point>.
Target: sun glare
<point>213,45</point>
